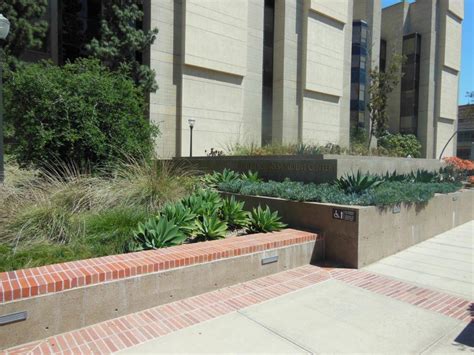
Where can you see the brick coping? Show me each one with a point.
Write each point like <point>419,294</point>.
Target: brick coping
<point>26,283</point>
<point>136,328</point>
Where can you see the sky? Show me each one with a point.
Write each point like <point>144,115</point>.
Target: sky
<point>467,58</point>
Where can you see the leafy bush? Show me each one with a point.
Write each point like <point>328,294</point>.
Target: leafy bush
<point>357,183</point>
<point>265,221</point>
<point>401,145</point>
<point>157,233</point>
<point>210,228</point>
<point>78,112</point>
<point>233,213</point>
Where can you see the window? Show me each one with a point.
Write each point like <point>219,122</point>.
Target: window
<point>267,73</point>
<point>80,22</point>
<point>358,73</point>
<point>410,84</point>
<point>383,55</point>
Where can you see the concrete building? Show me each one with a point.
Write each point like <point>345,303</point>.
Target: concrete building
<point>428,34</point>
<point>251,72</point>
<point>285,71</point>
<point>465,136</point>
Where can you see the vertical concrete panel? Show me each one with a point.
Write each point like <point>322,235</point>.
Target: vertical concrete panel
<point>287,70</point>
<point>165,60</point>
<point>326,68</point>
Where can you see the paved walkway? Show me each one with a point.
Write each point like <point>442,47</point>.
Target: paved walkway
<point>383,308</point>
<point>443,263</point>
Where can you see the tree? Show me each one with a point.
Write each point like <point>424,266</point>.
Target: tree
<point>122,39</point>
<point>382,84</point>
<point>470,97</point>
<point>27,28</point>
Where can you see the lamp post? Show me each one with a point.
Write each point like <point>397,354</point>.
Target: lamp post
<point>191,126</point>
<point>4,29</point>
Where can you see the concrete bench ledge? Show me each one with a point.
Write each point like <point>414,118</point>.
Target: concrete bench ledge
<point>27,283</point>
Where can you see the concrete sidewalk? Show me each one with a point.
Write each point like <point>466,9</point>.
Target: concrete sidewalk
<point>444,263</point>
<point>337,317</point>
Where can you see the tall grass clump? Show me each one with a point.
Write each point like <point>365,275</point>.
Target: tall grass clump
<point>64,211</point>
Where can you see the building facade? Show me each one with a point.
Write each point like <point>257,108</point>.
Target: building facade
<point>287,71</point>
<point>425,103</point>
<point>465,135</point>
<point>251,72</point>
<point>284,71</point>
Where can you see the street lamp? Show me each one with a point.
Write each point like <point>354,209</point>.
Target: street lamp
<point>191,126</point>
<point>4,29</point>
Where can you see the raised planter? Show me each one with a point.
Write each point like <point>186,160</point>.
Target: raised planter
<point>356,236</point>
<point>317,168</point>
<point>62,297</point>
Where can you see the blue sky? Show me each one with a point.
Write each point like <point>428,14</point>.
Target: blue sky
<point>467,60</point>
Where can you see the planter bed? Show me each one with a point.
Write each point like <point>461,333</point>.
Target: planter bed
<point>62,297</point>
<point>356,236</point>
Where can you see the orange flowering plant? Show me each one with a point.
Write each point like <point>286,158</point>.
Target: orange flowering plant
<point>459,164</point>
<point>460,168</point>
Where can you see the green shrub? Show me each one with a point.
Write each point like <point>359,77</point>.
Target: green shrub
<point>157,233</point>
<point>233,213</point>
<point>265,221</point>
<point>78,112</point>
<point>357,183</point>
<point>401,145</point>
<point>210,228</point>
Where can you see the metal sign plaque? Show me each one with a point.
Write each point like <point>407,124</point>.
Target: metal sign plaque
<point>345,215</point>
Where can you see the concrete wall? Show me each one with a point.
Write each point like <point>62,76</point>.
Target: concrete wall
<point>287,58</point>
<point>317,169</point>
<point>326,68</point>
<point>440,25</point>
<point>76,308</point>
<point>377,232</point>
<point>393,30</point>
<point>209,56</point>
<point>370,11</point>
<point>451,13</point>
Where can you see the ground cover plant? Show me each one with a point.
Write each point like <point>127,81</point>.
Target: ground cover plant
<point>353,189</point>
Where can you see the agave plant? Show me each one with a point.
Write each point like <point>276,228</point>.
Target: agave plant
<point>251,176</point>
<point>182,216</point>
<point>357,183</point>
<point>216,178</point>
<point>394,177</point>
<point>157,233</point>
<point>210,227</point>
<point>265,221</point>
<point>233,213</point>
<point>204,203</point>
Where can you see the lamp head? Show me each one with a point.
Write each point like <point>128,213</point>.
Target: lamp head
<point>191,122</point>
<point>4,27</point>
